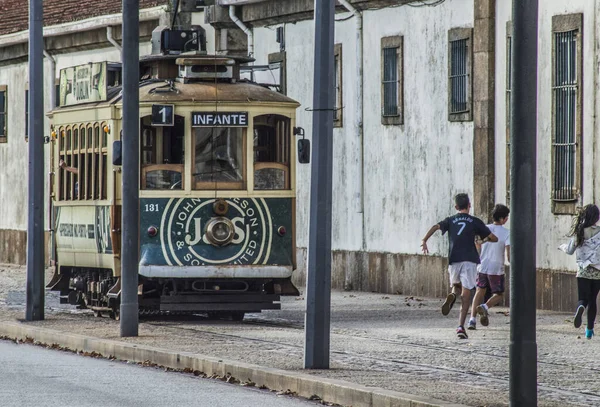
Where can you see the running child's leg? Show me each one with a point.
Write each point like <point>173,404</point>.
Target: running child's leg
<point>592,307</point>
<point>497,287</point>
<point>468,279</point>
<point>482,287</point>
<point>464,307</point>
<point>584,292</point>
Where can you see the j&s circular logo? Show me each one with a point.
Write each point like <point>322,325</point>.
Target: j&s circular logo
<point>184,238</point>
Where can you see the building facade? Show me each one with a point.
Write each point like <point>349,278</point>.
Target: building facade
<point>422,94</point>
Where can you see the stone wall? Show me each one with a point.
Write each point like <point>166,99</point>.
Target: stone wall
<point>427,276</point>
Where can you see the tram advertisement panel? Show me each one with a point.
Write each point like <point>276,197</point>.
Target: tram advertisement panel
<point>83,229</point>
<point>177,231</point>
<point>83,84</point>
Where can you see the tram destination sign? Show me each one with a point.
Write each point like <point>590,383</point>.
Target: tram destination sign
<point>219,119</point>
<point>83,84</point>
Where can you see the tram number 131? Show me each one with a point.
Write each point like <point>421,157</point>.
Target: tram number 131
<point>163,115</point>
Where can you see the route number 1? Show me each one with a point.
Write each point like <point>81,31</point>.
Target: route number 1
<point>163,115</point>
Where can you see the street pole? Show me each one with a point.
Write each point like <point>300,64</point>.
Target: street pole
<point>318,284</point>
<point>130,175</point>
<point>523,130</point>
<point>35,217</point>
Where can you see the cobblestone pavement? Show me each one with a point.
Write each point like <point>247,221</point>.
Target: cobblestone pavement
<point>389,341</point>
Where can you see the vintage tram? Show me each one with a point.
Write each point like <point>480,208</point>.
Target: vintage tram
<point>217,187</point>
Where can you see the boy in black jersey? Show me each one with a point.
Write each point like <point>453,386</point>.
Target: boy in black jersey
<point>462,255</point>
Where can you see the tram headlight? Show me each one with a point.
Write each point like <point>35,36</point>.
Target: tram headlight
<point>220,231</point>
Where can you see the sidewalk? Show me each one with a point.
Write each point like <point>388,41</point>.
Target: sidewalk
<point>385,347</point>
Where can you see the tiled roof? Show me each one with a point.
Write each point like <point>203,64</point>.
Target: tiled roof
<point>15,13</point>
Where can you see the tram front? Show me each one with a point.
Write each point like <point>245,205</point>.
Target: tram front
<point>217,191</point>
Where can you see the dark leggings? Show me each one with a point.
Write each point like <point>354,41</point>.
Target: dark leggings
<point>588,291</point>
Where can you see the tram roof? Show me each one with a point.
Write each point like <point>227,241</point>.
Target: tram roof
<point>201,92</point>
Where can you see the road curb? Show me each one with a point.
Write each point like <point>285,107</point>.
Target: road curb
<point>305,385</point>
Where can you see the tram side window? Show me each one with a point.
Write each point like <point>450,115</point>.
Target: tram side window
<point>84,175</point>
<point>68,177</point>
<point>218,157</point>
<point>271,152</point>
<point>162,155</point>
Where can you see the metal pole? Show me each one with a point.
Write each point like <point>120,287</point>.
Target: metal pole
<point>35,217</point>
<point>523,347</point>
<point>318,285</point>
<point>130,176</point>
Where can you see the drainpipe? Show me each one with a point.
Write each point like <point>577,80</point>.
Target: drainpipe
<point>359,110</point>
<point>244,28</point>
<point>110,38</point>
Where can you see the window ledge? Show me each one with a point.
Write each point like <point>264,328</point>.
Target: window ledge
<point>564,208</point>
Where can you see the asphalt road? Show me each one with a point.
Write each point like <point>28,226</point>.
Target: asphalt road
<point>35,376</point>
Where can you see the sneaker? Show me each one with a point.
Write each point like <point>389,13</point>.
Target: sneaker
<point>484,317</point>
<point>447,305</point>
<point>578,315</point>
<point>472,325</point>
<point>461,333</point>
<point>589,333</point>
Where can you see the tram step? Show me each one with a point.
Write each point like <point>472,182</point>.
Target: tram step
<point>216,298</point>
<point>246,307</point>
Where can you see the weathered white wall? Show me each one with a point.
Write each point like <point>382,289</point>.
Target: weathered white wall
<point>551,228</point>
<point>13,154</point>
<point>411,171</point>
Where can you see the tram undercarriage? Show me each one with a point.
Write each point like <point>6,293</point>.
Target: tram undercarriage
<point>100,291</point>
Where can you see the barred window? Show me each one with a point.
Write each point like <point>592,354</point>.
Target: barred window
<point>337,72</point>
<point>459,74</point>
<point>392,109</point>
<point>26,113</point>
<point>508,104</point>
<point>3,111</point>
<point>566,112</point>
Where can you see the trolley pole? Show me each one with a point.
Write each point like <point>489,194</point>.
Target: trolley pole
<point>130,176</point>
<point>318,285</point>
<point>523,347</point>
<point>35,216</point>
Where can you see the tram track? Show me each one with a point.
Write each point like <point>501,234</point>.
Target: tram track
<point>470,352</point>
<point>403,367</point>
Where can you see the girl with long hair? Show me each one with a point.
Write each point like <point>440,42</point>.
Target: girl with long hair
<point>585,243</point>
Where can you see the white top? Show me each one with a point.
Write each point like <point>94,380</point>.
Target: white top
<point>588,254</point>
<point>492,253</point>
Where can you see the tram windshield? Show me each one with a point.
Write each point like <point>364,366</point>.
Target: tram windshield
<point>218,157</point>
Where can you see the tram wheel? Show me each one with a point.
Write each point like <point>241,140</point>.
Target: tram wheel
<point>98,314</point>
<point>237,316</point>
<point>115,314</point>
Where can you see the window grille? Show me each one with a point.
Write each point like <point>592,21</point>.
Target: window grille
<point>26,113</point>
<point>459,76</point>
<point>565,91</point>
<point>3,112</point>
<point>336,66</point>
<point>508,112</point>
<point>390,82</point>
<point>338,104</point>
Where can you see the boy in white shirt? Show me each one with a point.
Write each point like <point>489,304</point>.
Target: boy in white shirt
<point>490,273</point>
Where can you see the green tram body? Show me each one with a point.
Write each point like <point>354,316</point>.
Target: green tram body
<point>217,201</point>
